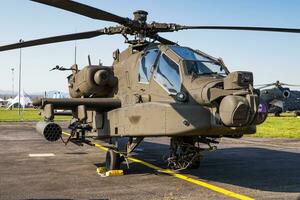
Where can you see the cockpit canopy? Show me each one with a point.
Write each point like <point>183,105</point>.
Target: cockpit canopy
<point>197,63</point>
<point>166,72</point>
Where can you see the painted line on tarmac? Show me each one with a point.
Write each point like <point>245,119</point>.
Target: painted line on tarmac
<point>181,176</point>
<point>41,154</point>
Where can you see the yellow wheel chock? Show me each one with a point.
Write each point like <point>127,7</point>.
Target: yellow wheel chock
<point>103,172</point>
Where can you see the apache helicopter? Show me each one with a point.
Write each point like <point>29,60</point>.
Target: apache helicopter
<point>279,98</point>
<point>154,88</point>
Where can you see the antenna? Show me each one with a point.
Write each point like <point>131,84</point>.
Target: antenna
<point>75,52</point>
<point>13,81</point>
<point>75,49</point>
<point>20,74</point>
<point>89,60</point>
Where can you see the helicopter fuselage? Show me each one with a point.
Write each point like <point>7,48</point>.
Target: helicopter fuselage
<point>158,102</point>
<point>162,90</point>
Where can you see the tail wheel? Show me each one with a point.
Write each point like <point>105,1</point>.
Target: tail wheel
<point>113,160</point>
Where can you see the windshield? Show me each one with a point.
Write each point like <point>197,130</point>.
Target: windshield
<point>146,64</point>
<point>167,74</point>
<point>197,63</point>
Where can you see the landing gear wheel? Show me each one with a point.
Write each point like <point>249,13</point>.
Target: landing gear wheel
<point>113,160</point>
<point>195,164</point>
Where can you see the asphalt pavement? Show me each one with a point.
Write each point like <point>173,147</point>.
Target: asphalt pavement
<point>33,168</point>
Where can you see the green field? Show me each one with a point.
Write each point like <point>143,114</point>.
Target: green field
<point>28,114</point>
<point>286,126</point>
<point>281,127</point>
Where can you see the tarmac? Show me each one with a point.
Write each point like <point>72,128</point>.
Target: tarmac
<point>33,168</point>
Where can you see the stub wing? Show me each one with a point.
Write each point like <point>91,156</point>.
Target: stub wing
<point>97,104</point>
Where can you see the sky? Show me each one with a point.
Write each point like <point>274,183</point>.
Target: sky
<point>270,56</point>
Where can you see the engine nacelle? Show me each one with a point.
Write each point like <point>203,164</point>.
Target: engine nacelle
<point>92,81</point>
<point>286,93</point>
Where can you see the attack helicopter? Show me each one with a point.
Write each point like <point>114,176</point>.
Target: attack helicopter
<point>280,98</point>
<point>154,88</point>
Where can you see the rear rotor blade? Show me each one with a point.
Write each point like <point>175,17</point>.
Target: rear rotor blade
<point>292,85</point>
<point>61,38</point>
<point>84,10</point>
<point>242,28</point>
<point>264,86</point>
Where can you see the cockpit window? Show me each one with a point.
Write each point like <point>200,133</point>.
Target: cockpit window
<point>197,63</point>
<point>168,75</point>
<point>198,67</point>
<point>187,54</point>
<point>146,64</point>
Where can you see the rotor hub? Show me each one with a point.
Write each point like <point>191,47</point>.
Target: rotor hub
<point>140,16</point>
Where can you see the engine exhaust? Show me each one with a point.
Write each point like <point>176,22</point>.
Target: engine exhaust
<point>50,130</point>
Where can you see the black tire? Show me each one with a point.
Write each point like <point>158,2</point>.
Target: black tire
<point>195,165</point>
<point>113,160</point>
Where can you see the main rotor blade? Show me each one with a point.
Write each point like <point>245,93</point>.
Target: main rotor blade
<point>241,28</point>
<point>61,38</point>
<point>264,86</point>
<point>84,10</point>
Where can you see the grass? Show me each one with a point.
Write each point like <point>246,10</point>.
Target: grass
<point>285,126</point>
<point>28,114</point>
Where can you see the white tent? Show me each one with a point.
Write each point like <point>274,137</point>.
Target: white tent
<point>2,102</point>
<point>24,100</point>
<point>9,100</point>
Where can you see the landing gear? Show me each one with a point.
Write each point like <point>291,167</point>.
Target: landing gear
<point>115,155</point>
<point>185,152</point>
<point>113,160</point>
